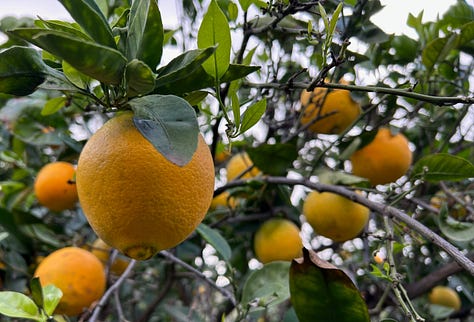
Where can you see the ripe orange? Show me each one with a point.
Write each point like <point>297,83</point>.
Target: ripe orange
<point>445,296</point>
<point>384,160</point>
<point>238,164</point>
<point>277,239</point>
<point>223,200</point>
<point>77,273</point>
<point>133,197</point>
<point>102,251</point>
<point>55,187</point>
<point>335,110</point>
<point>334,216</point>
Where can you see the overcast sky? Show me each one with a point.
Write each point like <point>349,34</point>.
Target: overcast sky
<point>392,18</point>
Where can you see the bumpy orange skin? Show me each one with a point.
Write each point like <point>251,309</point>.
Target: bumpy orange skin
<point>334,216</point>
<point>55,187</point>
<point>384,160</point>
<point>78,274</point>
<point>336,110</point>
<point>277,239</point>
<point>238,164</point>
<point>445,296</point>
<point>133,197</point>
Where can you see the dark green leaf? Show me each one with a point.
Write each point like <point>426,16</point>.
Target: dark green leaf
<point>458,14</point>
<point>9,222</point>
<point>437,49</point>
<point>273,159</point>
<point>51,297</point>
<point>317,288</point>
<point>74,76</point>
<point>41,232</point>
<point>71,28</point>
<point>54,105</point>
<point>194,98</point>
<point>17,305</point>
<point>252,115</point>
<point>466,34</point>
<point>21,71</point>
<point>442,166</point>
<point>215,32</point>
<point>169,123</point>
<point>102,63</point>
<point>88,15</point>
<point>183,66</point>
<point>139,77</point>
<point>215,239</point>
<point>267,286</point>
<point>145,34</point>
<point>36,291</point>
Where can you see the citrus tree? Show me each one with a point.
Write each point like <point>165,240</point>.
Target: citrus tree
<point>292,162</point>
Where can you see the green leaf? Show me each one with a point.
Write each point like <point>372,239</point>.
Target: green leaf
<point>99,62</point>
<point>74,76</point>
<point>17,305</point>
<point>319,289</point>
<point>236,109</point>
<point>194,98</point>
<point>36,291</point>
<point>267,286</point>
<point>21,70</point>
<point>51,297</point>
<point>183,66</point>
<point>253,114</point>
<point>273,159</point>
<point>466,34</point>
<point>215,239</point>
<point>215,31</point>
<point>453,229</point>
<point>437,50</point>
<point>169,123</point>
<point>442,166</point>
<point>71,28</point>
<point>54,105</point>
<point>145,33</point>
<point>139,77</point>
<point>88,15</point>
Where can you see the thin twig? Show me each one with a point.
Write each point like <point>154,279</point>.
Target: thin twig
<point>111,290</point>
<point>196,272</point>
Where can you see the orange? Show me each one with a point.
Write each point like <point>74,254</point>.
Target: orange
<point>102,251</point>
<point>334,216</point>
<point>335,111</point>
<point>135,199</point>
<point>77,273</point>
<point>223,200</point>
<point>277,239</point>
<point>384,160</point>
<point>238,164</point>
<point>445,296</point>
<point>55,187</point>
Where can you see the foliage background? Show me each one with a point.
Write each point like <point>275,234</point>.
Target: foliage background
<point>291,55</point>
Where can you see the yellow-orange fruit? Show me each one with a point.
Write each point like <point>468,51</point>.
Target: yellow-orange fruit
<point>102,251</point>
<point>135,199</point>
<point>77,273</point>
<point>238,164</point>
<point>55,187</point>
<point>384,160</point>
<point>335,111</point>
<point>223,200</point>
<point>445,296</point>
<point>334,216</point>
<point>277,239</point>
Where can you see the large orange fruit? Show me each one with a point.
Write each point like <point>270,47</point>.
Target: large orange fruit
<point>135,199</point>
<point>333,111</point>
<point>277,239</point>
<point>77,273</point>
<point>384,160</point>
<point>55,187</point>
<point>334,216</point>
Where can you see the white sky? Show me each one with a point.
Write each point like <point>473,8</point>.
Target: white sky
<point>392,18</point>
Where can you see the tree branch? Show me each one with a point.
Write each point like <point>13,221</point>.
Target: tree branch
<point>380,208</point>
